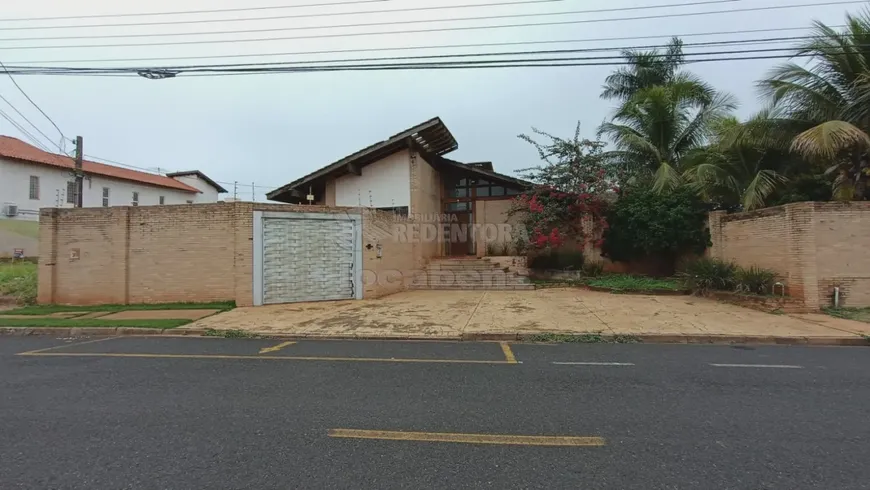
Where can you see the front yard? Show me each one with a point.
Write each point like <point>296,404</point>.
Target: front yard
<point>18,281</point>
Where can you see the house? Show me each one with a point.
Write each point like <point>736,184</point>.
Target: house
<point>408,174</point>
<point>31,179</point>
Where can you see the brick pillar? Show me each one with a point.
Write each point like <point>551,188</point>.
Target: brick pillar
<point>714,223</point>
<point>47,273</point>
<point>243,253</point>
<point>802,281</point>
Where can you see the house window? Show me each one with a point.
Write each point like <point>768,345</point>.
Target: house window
<point>162,200</point>
<point>71,192</point>
<point>105,197</point>
<point>189,201</point>
<point>135,198</point>
<point>34,187</point>
<point>459,206</point>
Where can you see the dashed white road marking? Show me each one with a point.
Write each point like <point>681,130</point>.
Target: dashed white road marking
<point>594,363</point>
<point>767,366</point>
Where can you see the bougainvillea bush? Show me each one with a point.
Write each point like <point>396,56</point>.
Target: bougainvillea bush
<point>574,185</point>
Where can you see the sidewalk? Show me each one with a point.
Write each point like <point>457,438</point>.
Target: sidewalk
<point>506,315</point>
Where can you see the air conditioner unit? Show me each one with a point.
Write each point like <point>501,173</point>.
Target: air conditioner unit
<point>10,210</point>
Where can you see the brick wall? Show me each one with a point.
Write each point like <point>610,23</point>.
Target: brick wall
<point>200,252</point>
<point>814,247</point>
<point>425,200</point>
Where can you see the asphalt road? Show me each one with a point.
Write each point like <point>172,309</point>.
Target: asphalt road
<point>215,413</point>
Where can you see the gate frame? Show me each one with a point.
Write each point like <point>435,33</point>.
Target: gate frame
<point>260,216</point>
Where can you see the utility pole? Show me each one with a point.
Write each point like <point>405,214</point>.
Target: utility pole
<point>253,192</point>
<point>235,190</point>
<point>79,174</point>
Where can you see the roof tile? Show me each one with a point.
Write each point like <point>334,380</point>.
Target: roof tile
<point>18,150</point>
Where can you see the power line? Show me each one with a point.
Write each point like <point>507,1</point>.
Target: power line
<point>23,131</point>
<point>34,126</point>
<point>33,103</point>
<point>318,64</point>
<point>157,172</point>
<point>403,22</point>
<point>185,12</point>
<point>442,46</point>
<point>302,16</point>
<point>413,31</point>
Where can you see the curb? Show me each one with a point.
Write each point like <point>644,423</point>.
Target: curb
<point>640,292</point>
<point>711,339</point>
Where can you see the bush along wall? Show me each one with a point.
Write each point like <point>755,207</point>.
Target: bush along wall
<point>662,227</point>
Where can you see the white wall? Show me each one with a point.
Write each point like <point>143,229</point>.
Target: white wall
<point>15,189</point>
<point>208,194</point>
<point>383,184</point>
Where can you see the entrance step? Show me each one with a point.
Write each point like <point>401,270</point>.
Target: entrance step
<point>469,274</point>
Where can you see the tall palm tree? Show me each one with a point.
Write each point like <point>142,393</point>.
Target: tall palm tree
<point>664,113</point>
<point>659,126</point>
<point>823,109</point>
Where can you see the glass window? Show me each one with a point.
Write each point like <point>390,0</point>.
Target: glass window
<point>460,192</point>
<point>458,206</point>
<point>71,192</point>
<point>135,198</point>
<point>34,187</point>
<point>514,192</point>
<point>162,200</point>
<point>497,190</point>
<point>105,197</point>
<point>483,192</point>
<point>463,182</point>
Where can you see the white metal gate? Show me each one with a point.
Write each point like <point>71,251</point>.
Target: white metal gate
<point>307,257</point>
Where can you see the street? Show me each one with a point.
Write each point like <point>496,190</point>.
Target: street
<point>181,413</point>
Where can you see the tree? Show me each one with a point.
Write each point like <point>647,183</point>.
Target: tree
<point>733,171</point>
<point>822,110</point>
<point>573,184</point>
<point>645,224</point>
<point>664,115</point>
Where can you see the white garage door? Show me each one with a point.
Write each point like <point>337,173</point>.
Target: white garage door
<point>306,259</point>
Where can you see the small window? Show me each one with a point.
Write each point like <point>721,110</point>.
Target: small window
<point>162,200</point>
<point>71,192</point>
<point>483,192</point>
<point>105,197</point>
<point>497,190</point>
<point>458,206</point>
<point>460,192</point>
<point>135,198</point>
<point>514,192</point>
<point>34,187</point>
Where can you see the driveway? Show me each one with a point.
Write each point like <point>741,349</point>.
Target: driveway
<point>453,314</point>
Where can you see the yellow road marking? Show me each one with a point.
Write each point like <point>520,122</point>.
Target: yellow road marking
<point>64,346</point>
<point>278,347</point>
<point>508,353</point>
<point>504,439</point>
<point>272,358</point>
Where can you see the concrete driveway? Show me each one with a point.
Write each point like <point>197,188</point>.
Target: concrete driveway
<point>453,314</point>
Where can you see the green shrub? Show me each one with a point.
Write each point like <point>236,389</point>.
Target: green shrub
<point>19,281</point>
<point>665,226</point>
<point>593,269</point>
<point>707,274</point>
<point>755,280</point>
<point>495,249</point>
<point>558,259</point>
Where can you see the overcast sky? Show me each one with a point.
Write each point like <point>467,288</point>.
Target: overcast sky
<point>271,129</point>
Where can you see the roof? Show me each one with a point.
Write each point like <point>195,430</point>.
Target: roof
<point>432,136</point>
<point>475,168</point>
<point>16,149</point>
<point>200,175</point>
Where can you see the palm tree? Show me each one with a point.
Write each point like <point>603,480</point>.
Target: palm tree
<point>659,126</point>
<point>664,114</point>
<point>823,109</point>
<point>733,171</point>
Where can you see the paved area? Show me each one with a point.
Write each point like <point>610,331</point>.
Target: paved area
<point>125,315</point>
<point>450,314</point>
<point>210,413</point>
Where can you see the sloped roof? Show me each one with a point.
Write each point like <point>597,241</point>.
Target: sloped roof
<point>431,136</point>
<point>199,174</point>
<point>16,149</point>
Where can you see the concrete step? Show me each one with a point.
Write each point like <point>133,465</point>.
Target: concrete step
<point>518,287</point>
